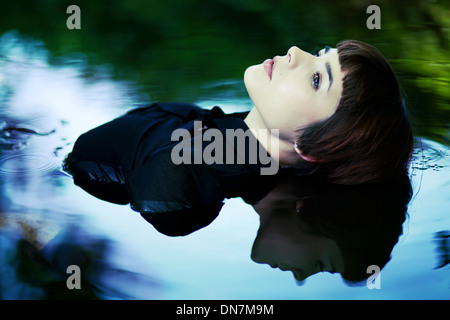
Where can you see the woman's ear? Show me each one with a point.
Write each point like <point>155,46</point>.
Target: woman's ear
<point>299,152</point>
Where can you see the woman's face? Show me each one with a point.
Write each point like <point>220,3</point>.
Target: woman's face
<point>281,243</point>
<point>295,90</point>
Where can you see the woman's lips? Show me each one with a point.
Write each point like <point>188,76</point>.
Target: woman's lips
<point>268,66</point>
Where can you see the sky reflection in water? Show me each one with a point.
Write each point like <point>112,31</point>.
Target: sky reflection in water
<point>124,257</point>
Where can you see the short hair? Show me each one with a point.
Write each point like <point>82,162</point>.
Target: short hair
<point>369,137</point>
<point>366,221</point>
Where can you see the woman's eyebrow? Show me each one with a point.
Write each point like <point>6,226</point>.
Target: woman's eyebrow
<point>330,75</point>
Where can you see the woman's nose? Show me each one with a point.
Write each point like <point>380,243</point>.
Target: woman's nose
<point>295,56</point>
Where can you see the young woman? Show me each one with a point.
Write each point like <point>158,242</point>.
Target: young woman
<point>338,113</point>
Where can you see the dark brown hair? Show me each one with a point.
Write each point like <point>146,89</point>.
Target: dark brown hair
<point>365,220</point>
<point>369,137</point>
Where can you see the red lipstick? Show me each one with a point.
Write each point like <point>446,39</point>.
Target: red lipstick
<point>268,66</point>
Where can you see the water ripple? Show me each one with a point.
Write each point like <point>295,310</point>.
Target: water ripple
<point>25,164</point>
<point>429,155</point>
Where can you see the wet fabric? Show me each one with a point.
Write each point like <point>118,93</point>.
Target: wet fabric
<point>128,160</point>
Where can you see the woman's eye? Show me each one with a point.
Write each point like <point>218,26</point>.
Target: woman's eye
<point>316,81</point>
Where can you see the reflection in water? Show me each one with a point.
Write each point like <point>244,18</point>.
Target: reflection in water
<point>31,272</point>
<point>442,239</point>
<point>308,226</point>
<point>44,108</point>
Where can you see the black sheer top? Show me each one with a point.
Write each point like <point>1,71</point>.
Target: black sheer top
<point>128,160</point>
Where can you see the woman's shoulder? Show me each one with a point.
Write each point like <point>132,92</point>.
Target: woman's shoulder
<point>188,110</point>
<point>161,181</point>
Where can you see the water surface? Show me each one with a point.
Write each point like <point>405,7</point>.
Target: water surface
<point>48,223</point>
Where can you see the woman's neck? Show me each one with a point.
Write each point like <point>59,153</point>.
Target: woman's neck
<point>282,149</point>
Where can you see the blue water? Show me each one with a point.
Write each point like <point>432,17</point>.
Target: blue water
<point>41,206</point>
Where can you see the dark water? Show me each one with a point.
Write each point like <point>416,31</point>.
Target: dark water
<point>56,84</point>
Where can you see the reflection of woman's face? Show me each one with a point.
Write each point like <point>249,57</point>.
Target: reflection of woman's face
<point>282,243</point>
<point>297,89</point>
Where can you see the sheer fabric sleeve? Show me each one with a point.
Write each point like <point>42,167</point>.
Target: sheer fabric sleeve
<point>175,199</point>
<point>161,186</point>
